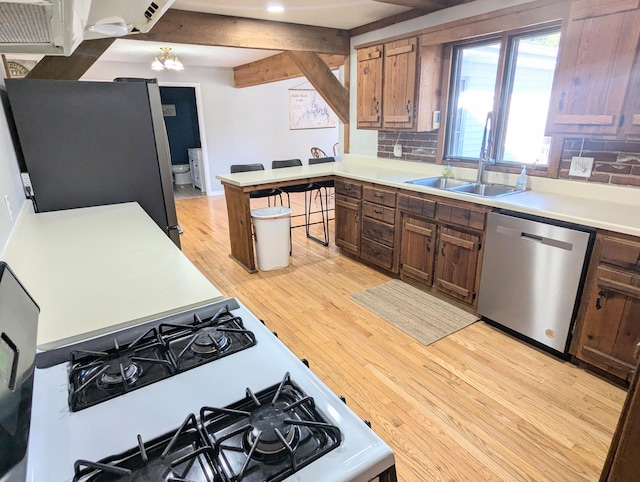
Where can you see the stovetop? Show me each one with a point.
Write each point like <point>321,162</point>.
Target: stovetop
<point>60,437</point>
<point>156,354</point>
<point>266,437</point>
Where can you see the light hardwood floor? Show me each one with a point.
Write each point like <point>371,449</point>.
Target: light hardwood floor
<point>477,405</point>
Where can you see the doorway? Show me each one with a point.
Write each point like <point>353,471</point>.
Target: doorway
<point>179,106</point>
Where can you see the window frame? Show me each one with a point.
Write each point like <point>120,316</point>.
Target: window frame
<point>500,101</point>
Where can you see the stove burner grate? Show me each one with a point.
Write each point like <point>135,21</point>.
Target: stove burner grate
<point>158,353</point>
<point>181,456</point>
<point>270,435</point>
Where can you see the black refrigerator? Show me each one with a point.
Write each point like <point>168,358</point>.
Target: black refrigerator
<point>95,143</point>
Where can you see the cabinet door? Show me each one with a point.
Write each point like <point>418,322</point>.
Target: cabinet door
<point>400,84</point>
<point>457,263</point>
<point>347,223</point>
<point>611,326</point>
<point>418,249</point>
<point>369,105</point>
<point>598,47</point>
<point>631,116</point>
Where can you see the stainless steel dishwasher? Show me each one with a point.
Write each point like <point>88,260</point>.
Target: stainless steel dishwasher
<point>532,274</point>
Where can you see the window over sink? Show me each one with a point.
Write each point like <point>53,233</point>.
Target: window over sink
<point>505,79</point>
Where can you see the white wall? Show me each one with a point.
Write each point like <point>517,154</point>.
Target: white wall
<point>241,125</point>
<point>10,185</point>
<point>365,142</point>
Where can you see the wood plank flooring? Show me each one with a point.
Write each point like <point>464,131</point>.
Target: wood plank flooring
<point>477,405</point>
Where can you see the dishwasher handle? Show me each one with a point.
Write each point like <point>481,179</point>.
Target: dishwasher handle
<point>555,243</point>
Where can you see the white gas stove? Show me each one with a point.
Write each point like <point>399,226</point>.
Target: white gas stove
<point>105,431</point>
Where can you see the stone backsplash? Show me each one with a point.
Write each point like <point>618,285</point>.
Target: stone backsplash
<point>615,162</point>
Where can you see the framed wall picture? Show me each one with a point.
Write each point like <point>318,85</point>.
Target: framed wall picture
<point>308,110</point>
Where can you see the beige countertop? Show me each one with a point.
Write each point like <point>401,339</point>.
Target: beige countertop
<point>94,270</point>
<point>600,206</point>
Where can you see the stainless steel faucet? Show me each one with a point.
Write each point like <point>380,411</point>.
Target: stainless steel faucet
<point>486,147</point>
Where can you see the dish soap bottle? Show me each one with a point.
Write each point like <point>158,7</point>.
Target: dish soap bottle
<point>447,172</point>
<point>521,183</point>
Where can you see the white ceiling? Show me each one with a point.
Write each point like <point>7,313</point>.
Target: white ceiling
<point>342,14</point>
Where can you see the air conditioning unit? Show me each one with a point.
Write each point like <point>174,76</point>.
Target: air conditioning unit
<point>57,27</point>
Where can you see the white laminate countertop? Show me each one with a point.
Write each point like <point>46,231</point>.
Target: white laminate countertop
<point>606,207</point>
<point>94,270</point>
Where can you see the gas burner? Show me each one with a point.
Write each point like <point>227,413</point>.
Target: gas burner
<point>107,369</point>
<point>270,435</point>
<point>210,340</point>
<point>118,372</point>
<point>183,455</point>
<point>271,431</point>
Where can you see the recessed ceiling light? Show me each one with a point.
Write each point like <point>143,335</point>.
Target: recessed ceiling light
<point>275,8</point>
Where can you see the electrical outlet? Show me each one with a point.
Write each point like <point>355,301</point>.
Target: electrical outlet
<point>397,150</point>
<point>7,203</point>
<point>26,180</point>
<point>581,166</point>
<point>436,119</point>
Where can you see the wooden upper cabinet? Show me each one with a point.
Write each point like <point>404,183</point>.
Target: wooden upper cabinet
<point>369,106</point>
<point>400,64</point>
<point>599,42</point>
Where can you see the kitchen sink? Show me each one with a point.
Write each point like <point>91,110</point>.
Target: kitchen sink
<point>486,190</point>
<point>440,182</point>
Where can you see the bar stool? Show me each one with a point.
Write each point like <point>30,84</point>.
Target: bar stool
<point>323,185</point>
<point>258,193</point>
<point>307,189</point>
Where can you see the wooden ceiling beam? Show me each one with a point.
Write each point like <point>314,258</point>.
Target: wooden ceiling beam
<point>74,66</point>
<point>328,86</point>
<point>429,5</point>
<point>275,68</point>
<point>181,26</point>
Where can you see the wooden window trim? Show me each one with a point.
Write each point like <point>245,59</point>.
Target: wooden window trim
<point>553,165</point>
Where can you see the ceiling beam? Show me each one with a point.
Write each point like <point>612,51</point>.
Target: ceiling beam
<point>74,66</point>
<point>181,26</point>
<point>275,68</point>
<point>323,80</point>
<point>430,5</point>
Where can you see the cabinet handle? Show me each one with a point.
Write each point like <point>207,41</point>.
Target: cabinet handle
<point>375,251</point>
<point>601,294</point>
<point>442,249</point>
<point>428,246</point>
<point>377,211</point>
<point>377,107</point>
<point>561,101</point>
<point>409,106</point>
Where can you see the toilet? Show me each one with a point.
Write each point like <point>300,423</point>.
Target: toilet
<point>181,174</point>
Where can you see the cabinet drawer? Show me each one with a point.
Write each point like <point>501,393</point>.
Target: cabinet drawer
<point>376,253</point>
<point>378,212</point>
<point>376,231</point>
<point>379,196</point>
<point>417,205</point>
<point>461,216</point>
<point>620,252</point>
<point>348,189</point>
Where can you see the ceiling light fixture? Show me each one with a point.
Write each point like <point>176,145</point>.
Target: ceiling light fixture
<point>166,60</point>
<point>275,8</point>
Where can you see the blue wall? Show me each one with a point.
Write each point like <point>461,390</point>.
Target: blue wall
<point>182,129</point>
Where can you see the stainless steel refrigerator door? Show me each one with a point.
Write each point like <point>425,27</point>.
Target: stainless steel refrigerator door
<point>531,276</point>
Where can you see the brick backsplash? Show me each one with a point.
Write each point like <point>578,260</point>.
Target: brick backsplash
<point>416,146</point>
<point>615,162</point>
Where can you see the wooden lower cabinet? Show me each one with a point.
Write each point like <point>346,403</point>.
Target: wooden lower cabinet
<point>611,327</point>
<point>347,222</point>
<point>418,250</point>
<point>457,263</point>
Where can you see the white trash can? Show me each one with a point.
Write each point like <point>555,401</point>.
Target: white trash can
<point>271,229</point>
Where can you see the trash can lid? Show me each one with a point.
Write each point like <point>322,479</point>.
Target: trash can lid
<point>271,213</point>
